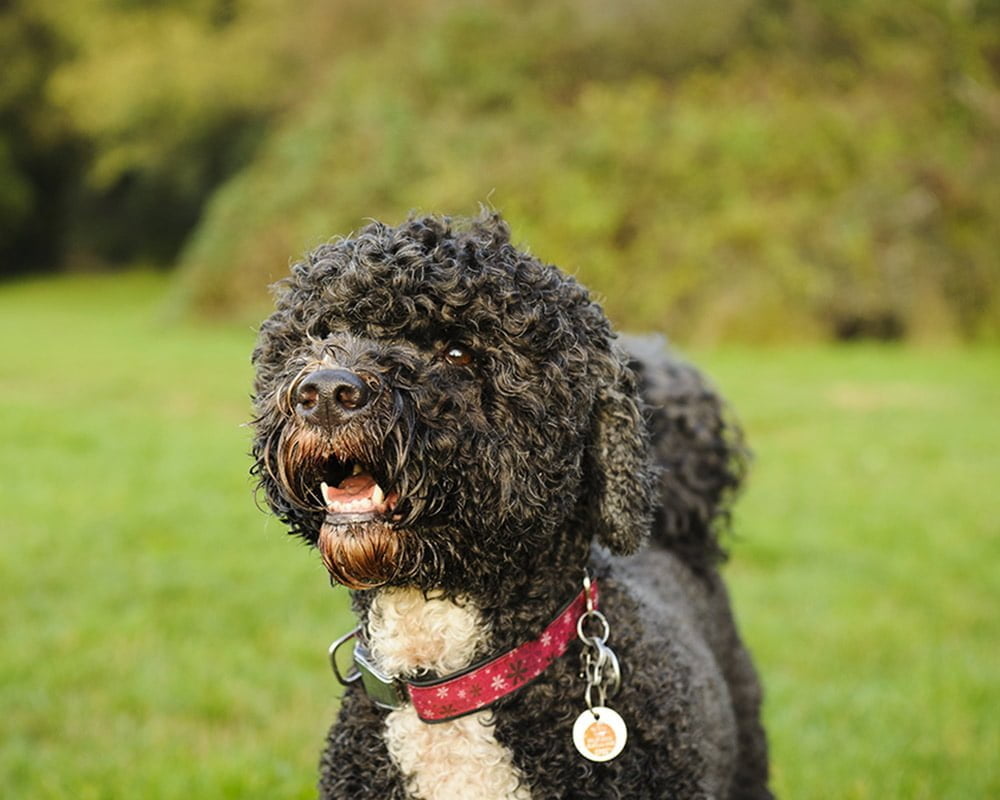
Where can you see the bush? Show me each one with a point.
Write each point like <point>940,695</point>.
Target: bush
<point>819,170</point>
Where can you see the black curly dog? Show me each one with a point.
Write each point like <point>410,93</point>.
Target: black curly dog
<point>458,429</point>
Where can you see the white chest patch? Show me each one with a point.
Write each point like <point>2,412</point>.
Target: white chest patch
<point>447,760</point>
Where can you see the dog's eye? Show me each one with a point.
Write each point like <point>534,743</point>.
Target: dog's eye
<point>457,355</point>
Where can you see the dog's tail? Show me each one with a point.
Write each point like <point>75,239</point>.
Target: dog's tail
<point>698,448</point>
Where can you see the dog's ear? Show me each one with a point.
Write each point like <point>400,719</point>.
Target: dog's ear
<point>619,475</point>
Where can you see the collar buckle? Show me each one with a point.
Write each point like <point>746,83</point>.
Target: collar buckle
<point>384,691</point>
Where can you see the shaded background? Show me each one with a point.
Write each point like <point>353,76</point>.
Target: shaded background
<point>721,169</point>
<point>762,180</point>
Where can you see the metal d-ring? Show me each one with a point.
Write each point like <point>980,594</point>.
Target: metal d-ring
<point>354,672</point>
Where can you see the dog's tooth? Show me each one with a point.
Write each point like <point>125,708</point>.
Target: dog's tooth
<point>377,495</point>
<point>357,470</point>
<point>325,492</point>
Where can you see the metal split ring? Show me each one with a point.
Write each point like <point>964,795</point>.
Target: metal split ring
<point>593,640</point>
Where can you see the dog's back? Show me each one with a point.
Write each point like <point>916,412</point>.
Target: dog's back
<point>700,452</point>
<point>696,445</point>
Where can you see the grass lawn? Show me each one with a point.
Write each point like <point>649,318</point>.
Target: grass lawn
<point>163,639</point>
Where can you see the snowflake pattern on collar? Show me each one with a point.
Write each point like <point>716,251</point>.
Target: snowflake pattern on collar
<point>480,686</point>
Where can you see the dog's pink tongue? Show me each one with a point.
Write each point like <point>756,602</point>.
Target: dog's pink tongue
<point>352,487</point>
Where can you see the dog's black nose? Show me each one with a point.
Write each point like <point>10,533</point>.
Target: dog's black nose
<point>330,396</point>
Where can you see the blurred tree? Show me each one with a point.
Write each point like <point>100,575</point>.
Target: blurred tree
<point>39,154</point>
<point>120,117</point>
<point>171,101</point>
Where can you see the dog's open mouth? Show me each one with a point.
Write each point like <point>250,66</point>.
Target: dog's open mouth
<point>359,545</point>
<point>352,494</point>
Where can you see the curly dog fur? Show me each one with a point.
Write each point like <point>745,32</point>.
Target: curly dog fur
<point>490,437</point>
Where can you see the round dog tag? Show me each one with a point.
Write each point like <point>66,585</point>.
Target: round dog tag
<point>599,733</point>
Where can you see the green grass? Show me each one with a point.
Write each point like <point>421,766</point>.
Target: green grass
<point>163,639</point>
<point>866,569</point>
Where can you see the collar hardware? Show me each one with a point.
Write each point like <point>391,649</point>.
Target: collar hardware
<point>353,673</point>
<point>476,687</point>
<point>384,691</point>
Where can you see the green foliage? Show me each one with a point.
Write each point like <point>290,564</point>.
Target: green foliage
<point>163,639</point>
<point>163,100</point>
<point>718,169</point>
<point>810,170</point>
<point>170,98</point>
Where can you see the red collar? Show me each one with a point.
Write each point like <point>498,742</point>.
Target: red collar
<point>475,687</point>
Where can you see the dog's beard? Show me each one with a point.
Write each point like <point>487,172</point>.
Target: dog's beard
<point>361,555</point>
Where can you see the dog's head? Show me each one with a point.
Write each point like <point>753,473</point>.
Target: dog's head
<point>434,407</point>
